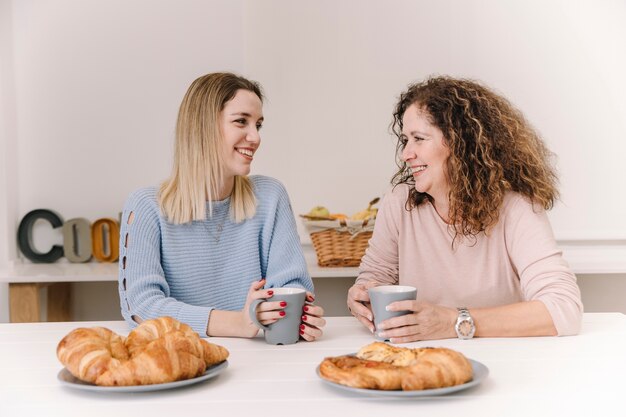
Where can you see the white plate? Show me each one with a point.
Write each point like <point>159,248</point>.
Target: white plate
<point>480,373</point>
<point>70,380</point>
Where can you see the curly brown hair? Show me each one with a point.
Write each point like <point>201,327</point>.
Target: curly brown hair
<point>493,149</point>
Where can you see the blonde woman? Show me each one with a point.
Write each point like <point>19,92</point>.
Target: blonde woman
<point>466,223</point>
<point>212,239</point>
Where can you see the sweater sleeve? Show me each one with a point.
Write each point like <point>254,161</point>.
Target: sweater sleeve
<point>544,274</point>
<point>380,262</point>
<point>283,263</point>
<point>144,291</point>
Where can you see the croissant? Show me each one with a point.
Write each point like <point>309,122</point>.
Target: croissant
<point>150,330</point>
<point>157,351</point>
<point>88,353</point>
<point>385,367</point>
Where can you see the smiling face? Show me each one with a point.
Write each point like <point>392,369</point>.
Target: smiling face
<point>240,122</point>
<point>425,152</point>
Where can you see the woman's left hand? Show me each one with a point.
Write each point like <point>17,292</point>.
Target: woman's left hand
<point>312,320</point>
<point>426,322</point>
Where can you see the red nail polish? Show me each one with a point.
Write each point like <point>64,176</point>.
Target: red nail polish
<point>305,308</point>
<point>301,331</point>
<point>302,327</point>
<point>270,292</point>
<point>303,318</point>
<point>282,313</point>
<point>283,303</point>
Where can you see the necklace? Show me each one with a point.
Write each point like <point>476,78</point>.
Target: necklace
<point>217,234</point>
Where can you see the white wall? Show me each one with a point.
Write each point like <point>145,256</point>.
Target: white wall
<point>99,84</point>
<point>90,91</point>
<point>8,150</point>
<point>333,70</point>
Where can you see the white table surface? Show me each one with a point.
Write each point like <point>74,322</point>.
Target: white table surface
<point>544,376</point>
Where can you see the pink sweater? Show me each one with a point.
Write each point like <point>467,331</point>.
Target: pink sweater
<point>517,261</point>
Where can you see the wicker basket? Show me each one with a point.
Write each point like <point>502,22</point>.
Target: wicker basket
<point>340,245</point>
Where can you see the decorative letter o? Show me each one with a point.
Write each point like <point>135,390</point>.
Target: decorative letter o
<point>105,238</point>
<point>77,240</point>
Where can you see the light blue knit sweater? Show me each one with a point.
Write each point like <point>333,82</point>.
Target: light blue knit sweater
<point>184,271</point>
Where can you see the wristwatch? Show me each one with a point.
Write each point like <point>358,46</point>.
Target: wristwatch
<point>464,326</point>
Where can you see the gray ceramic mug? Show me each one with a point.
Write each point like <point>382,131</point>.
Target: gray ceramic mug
<point>286,330</point>
<point>382,296</point>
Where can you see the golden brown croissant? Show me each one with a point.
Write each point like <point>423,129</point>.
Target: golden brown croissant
<point>88,353</point>
<point>157,351</point>
<point>153,329</point>
<point>385,367</point>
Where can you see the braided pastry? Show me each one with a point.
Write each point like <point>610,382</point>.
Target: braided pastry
<point>384,367</point>
<point>157,351</point>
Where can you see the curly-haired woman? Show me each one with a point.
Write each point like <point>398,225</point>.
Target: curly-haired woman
<point>465,223</point>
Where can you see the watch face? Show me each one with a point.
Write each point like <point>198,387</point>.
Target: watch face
<point>465,328</point>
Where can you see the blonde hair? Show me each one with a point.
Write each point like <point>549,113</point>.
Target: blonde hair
<point>198,171</point>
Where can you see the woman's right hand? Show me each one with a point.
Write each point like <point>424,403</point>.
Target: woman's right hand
<point>358,304</point>
<point>267,312</point>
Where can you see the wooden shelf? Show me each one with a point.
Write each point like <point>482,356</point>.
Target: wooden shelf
<point>60,272</point>
<point>26,279</point>
<point>607,258</point>
<point>320,272</point>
